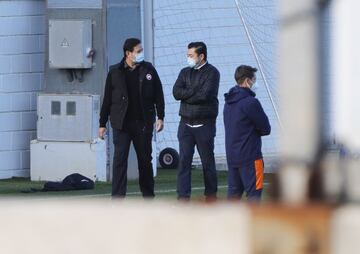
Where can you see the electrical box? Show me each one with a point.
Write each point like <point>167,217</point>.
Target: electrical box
<point>53,161</point>
<point>70,44</point>
<point>68,117</point>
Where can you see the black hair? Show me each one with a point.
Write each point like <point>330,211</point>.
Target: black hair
<point>244,71</point>
<point>200,48</point>
<point>130,44</point>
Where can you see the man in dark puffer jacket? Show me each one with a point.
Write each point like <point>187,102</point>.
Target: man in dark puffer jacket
<point>197,88</point>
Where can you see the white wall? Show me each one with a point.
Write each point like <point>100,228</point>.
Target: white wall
<point>22,30</point>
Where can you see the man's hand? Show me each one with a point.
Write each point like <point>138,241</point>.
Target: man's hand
<point>102,132</point>
<point>159,125</point>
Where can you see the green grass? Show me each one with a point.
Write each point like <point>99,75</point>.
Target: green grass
<point>165,184</point>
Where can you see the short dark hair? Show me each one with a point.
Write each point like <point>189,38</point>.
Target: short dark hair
<point>200,48</point>
<point>244,71</point>
<point>130,44</point>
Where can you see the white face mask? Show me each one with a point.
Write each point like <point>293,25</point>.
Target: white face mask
<point>254,87</point>
<point>139,57</point>
<point>191,62</point>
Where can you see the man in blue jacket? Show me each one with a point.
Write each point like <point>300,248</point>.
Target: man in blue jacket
<point>245,122</point>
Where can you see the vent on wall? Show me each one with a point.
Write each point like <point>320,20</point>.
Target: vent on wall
<point>71,108</point>
<point>56,108</point>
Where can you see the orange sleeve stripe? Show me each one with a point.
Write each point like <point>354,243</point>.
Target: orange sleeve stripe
<point>259,170</point>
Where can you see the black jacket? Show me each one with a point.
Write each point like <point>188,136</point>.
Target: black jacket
<point>115,101</point>
<point>198,91</point>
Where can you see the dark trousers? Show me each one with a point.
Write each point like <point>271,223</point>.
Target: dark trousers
<point>203,138</point>
<point>141,135</point>
<point>248,178</point>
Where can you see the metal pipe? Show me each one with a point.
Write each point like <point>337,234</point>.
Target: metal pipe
<point>148,30</point>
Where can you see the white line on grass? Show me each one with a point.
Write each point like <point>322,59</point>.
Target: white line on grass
<point>128,193</point>
<point>174,190</point>
<point>139,193</point>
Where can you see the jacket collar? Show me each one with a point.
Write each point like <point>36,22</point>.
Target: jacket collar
<point>141,66</point>
<point>247,90</point>
<point>123,65</point>
<point>199,67</point>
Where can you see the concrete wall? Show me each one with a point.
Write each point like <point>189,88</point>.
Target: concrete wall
<point>21,77</point>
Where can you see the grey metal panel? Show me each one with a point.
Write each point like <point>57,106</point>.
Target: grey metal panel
<point>74,4</point>
<point>69,43</point>
<point>123,21</point>
<point>56,80</point>
<point>78,123</point>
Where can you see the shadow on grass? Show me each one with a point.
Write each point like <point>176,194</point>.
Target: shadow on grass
<point>165,187</point>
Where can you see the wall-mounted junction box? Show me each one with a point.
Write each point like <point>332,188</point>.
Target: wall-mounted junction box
<point>70,43</point>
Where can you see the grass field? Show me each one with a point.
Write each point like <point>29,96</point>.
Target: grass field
<point>165,185</point>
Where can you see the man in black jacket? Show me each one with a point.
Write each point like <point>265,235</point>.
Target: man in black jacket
<point>133,98</point>
<point>197,88</point>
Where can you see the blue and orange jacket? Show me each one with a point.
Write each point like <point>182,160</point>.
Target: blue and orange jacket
<point>245,122</point>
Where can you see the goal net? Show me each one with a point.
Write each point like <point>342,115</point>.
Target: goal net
<point>236,32</point>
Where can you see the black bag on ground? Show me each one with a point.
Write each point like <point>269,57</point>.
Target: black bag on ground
<point>71,182</point>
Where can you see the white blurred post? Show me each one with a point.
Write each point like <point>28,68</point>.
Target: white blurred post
<point>300,102</point>
<point>346,94</point>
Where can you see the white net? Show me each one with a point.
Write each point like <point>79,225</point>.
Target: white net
<point>236,33</point>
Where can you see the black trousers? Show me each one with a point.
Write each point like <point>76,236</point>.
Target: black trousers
<point>141,135</point>
<point>203,139</point>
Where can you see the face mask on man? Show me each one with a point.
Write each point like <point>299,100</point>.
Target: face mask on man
<point>253,86</point>
<point>139,57</point>
<point>191,62</point>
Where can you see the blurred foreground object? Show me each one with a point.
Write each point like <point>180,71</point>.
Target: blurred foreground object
<point>345,69</point>
<point>300,96</point>
<point>105,226</point>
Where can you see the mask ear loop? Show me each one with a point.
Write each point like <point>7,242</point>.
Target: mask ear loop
<point>203,58</point>
<point>248,83</point>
